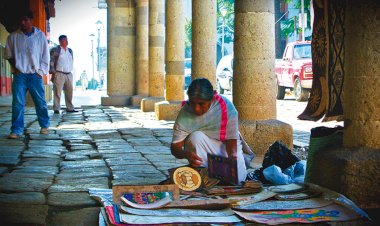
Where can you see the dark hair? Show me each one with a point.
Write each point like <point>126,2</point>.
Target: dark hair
<point>26,13</point>
<point>61,37</point>
<point>201,88</point>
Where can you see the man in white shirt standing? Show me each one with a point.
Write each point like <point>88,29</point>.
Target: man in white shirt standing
<point>61,65</point>
<point>28,53</point>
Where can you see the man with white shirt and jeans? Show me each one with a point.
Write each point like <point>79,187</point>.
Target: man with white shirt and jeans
<point>28,53</point>
<point>61,65</point>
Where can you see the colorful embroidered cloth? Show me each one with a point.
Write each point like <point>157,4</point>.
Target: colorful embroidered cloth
<point>220,122</point>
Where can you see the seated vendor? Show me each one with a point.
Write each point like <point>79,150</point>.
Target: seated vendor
<point>207,123</point>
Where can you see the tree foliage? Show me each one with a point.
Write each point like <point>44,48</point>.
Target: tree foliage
<point>287,25</point>
<point>228,19</point>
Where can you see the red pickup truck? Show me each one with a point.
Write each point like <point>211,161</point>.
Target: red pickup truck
<point>294,70</point>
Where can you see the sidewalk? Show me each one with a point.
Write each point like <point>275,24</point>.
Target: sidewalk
<point>44,179</point>
<point>287,111</point>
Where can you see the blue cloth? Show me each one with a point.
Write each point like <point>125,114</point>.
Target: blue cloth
<point>21,84</point>
<point>293,174</point>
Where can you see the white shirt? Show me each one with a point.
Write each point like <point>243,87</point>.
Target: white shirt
<point>31,53</point>
<point>65,61</point>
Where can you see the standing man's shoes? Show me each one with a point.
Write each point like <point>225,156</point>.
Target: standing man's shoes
<point>71,111</point>
<point>44,131</point>
<point>56,112</point>
<point>13,136</point>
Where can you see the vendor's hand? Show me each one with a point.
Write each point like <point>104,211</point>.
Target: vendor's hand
<point>38,75</point>
<point>194,159</point>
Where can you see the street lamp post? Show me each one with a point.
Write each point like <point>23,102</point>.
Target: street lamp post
<point>99,25</point>
<point>92,56</point>
<point>223,11</point>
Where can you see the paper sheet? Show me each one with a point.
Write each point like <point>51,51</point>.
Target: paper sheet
<point>178,212</point>
<point>135,219</point>
<point>332,212</point>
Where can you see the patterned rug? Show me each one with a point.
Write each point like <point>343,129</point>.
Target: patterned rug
<point>326,95</point>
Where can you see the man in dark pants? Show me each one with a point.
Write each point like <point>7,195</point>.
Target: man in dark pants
<point>28,53</point>
<point>61,65</point>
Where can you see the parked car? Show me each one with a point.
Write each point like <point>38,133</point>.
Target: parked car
<point>294,70</point>
<point>187,72</point>
<point>224,74</point>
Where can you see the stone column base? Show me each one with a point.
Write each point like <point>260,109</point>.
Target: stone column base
<point>147,104</point>
<point>136,100</point>
<point>166,110</point>
<point>261,134</point>
<point>116,101</point>
<point>353,172</point>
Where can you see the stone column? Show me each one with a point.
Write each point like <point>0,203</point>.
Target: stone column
<point>204,40</point>
<point>142,51</point>
<point>362,75</point>
<point>254,86</point>
<point>175,56</point>
<point>156,55</point>
<point>120,53</point>
<point>353,169</point>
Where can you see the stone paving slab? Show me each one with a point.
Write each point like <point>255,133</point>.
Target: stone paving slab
<point>39,155</point>
<point>9,153</point>
<point>86,147</point>
<point>76,157</point>
<point>39,169</point>
<point>25,198</point>
<point>137,131</point>
<point>13,183</point>
<point>116,162</point>
<point>5,148</point>
<point>117,151</point>
<point>5,142</point>
<point>80,164</point>
<point>21,214</point>
<point>11,161</point>
<point>3,170</point>
<point>46,149</point>
<point>41,162</point>
<point>82,152</point>
<point>44,136</point>
<point>75,175</point>
<point>162,132</point>
<point>36,175</point>
<point>83,138</point>
<point>165,140</point>
<point>78,185</point>
<point>85,170</point>
<point>161,157</point>
<point>118,175</point>
<point>160,149</point>
<point>137,181</point>
<point>83,216</point>
<point>45,143</point>
<point>132,168</point>
<point>145,143</point>
<point>71,199</point>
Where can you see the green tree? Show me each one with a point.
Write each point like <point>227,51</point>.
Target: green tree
<point>188,33</point>
<point>229,19</point>
<point>287,25</point>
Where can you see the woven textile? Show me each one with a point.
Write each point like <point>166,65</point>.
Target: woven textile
<point>326,95</point>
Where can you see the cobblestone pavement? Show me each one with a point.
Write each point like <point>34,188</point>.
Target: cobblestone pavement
<point>44,178</point>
